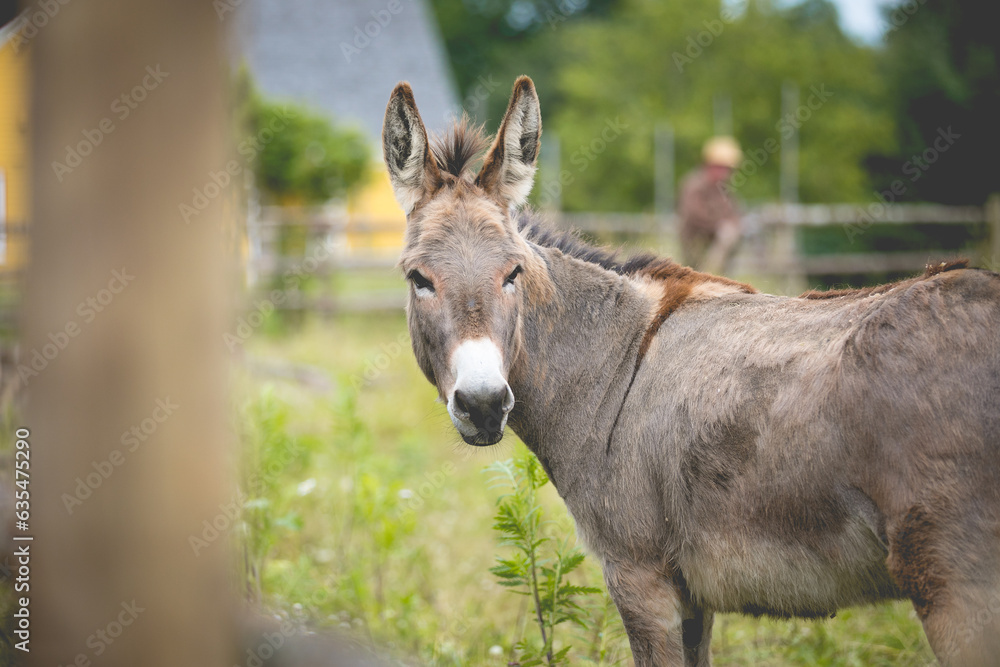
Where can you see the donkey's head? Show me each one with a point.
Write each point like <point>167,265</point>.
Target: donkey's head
<point>467,265</point>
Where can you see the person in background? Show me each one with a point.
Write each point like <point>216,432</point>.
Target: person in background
<point>709,215</point>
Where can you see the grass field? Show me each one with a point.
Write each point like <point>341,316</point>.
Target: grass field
<point>365,513</point>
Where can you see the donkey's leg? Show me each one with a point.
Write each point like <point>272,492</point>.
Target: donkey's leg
<point>651,608</point>
<point>697,635</point>
<point>964,628</point>
<point>949,566</point>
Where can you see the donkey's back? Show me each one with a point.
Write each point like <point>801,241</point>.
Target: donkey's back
<point>825,452</point>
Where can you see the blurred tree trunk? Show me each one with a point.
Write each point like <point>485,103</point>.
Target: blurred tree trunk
<point>128,431</point>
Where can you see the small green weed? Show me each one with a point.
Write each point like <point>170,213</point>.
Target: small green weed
<point>540,565</point>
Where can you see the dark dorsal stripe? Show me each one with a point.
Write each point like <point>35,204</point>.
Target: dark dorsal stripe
<point>929,270</point>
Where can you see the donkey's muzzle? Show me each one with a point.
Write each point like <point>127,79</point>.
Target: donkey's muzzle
<point>485,411</point>
<point>481,398</point>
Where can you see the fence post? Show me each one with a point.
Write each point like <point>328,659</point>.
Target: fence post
<point>130,456</point>
<point>722,114</point>
<point>790,144</point>
<point>993,220</point>
<point>784,259</point>
<point>664,179</point>
<point>550,157</point>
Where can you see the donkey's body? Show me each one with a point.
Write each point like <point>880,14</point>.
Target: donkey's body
<point>775,455</point>
<point>719,449</point>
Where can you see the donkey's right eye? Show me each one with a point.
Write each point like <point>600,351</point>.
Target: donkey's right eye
<point>419,281</point>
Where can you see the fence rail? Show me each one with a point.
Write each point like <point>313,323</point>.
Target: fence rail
<point>325,242</point>
<point>818,215</point>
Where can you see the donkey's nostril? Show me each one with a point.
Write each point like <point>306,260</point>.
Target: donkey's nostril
<point>461,402</point>
<point>508,401</point>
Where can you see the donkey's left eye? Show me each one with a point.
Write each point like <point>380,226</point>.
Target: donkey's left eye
<point>420,281</point>
<point>509,280</point>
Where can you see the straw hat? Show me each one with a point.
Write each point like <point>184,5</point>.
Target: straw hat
<point>722,151</point>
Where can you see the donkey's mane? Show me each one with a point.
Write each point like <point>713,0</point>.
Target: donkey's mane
<point>651,265</point>
<point>571,244</point>
<point>459,147</point>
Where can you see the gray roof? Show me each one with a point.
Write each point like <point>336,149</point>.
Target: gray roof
<point>10,29</point>
<point>318,52</point>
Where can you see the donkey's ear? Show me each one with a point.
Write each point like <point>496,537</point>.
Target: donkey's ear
<point>509,168</point>
<point>412,169</point>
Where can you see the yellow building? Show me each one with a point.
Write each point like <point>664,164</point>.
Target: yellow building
<point>14,148</point>
<point>375,222</point>
<point>312,70</point>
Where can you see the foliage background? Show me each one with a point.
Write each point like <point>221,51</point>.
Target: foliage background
<point>299,155</point>
<point>602,59</point>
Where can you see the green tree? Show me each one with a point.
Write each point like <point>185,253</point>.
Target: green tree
<point>655,61</point>
<point>635,63</point>
<point>492,37</point>
<point>298,155</point>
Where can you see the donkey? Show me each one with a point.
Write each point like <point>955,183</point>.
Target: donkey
<point>720,450</point>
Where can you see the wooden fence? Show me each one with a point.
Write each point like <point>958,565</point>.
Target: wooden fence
<point>786,260</point>
<point>295,258</point>
<point>324,246</point>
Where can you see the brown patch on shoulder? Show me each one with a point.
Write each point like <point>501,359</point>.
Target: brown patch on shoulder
<point>929,271</point>
<point>679,284</point>
<point>914,563</point>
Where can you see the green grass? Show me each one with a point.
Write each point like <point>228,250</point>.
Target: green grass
<point>371,516</point>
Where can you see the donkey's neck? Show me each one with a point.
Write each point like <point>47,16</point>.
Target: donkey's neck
<point>579,358</point>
